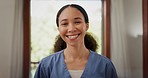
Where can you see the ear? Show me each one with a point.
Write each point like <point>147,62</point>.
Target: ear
<point>87,26</point>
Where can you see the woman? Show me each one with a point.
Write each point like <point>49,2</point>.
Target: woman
<point>76,60</point>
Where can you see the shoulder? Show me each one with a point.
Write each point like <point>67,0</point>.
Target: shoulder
<point>51,58</point>
<point>103,63</point>
<point>100,59</point>
<point>46,65</point>
<point>99,56</point>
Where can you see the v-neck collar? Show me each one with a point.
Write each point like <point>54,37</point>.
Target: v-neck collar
<point>88,64</point>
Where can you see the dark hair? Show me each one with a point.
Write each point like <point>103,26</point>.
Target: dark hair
<point>89,41</point>
<point>81,9</point>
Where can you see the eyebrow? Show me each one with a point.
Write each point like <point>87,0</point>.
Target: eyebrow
<point>63,20</point>
<point>78,18</point>
<point>74,19</point>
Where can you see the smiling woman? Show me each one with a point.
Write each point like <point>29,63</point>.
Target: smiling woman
<point>73,23</point>
<point>41,23</point>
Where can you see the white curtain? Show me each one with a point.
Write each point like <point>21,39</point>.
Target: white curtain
<point>17,43</point>
<point>119,54</point>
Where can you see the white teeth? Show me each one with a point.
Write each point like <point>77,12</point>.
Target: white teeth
<point>72,37</point>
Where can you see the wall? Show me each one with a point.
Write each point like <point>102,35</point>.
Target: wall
<point>133,23</point>
<point>126,37</point>
<point>6,30</point>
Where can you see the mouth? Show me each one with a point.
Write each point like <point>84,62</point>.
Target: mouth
<point>73,36</point>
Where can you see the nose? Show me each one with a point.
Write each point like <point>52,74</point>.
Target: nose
<point>71,28</point>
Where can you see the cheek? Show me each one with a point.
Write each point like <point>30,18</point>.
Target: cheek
<point>62,31</point>
<point>84,29</point>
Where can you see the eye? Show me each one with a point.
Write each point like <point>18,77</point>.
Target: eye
<point>77,22</point>
<point>64,24</point>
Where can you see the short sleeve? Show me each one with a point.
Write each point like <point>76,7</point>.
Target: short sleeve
<point>110,71</point>
<point>40,72</point>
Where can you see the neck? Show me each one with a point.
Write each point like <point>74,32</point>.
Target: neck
<point>76,52</point>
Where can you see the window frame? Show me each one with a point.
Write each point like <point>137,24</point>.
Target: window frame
<point>26,38</point>
<point>26,34</point>
<point>145,37</point>
<point>106,28</point>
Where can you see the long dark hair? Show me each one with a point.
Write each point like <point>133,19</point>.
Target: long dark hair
<point>89,41</point>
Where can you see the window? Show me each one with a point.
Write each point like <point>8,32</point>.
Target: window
<point>27,36</point>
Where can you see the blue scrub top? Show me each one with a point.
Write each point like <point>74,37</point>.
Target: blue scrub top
<point>54,66</point>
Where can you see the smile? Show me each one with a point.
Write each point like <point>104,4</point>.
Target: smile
<point>73,36</point>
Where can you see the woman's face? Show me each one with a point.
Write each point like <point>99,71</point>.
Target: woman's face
<point>72,27</point>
